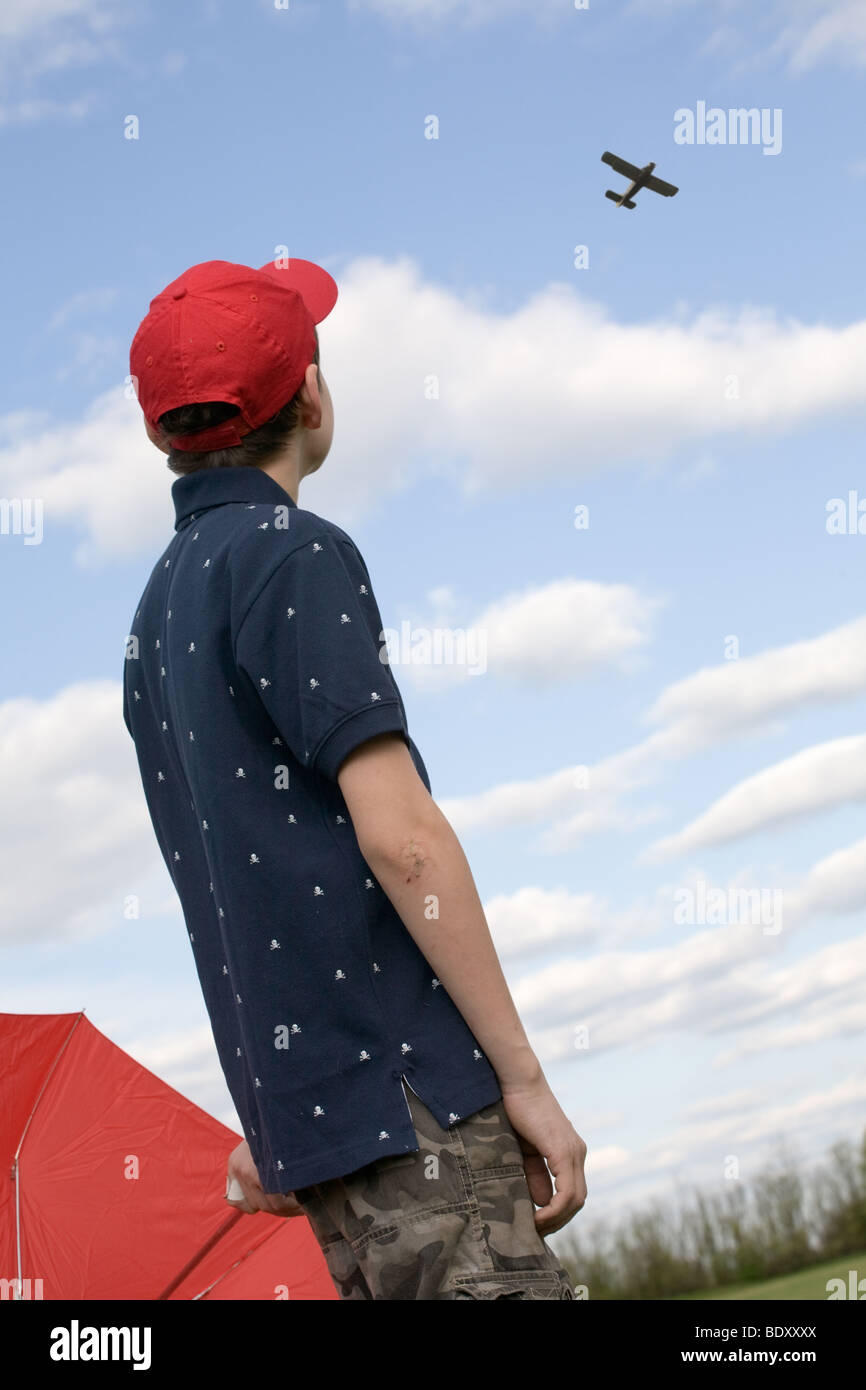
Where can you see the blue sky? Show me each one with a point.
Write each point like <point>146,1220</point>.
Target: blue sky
<point>700,647</point>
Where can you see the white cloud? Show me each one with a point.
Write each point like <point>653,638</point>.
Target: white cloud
<point>21,19</point>
<point>541,636</point>
<point>804,32</point>
<point>718,979</point>
<point>30,111</point>
<point>820,30</point>
<point>100,474</point>
<point>72,800</point>
<point>534,919</point>
<point>829,774</point>
<point>730,1103</point>
<point>700,711</point>
<point>804,1122</point>
<point>818,1023</point>
<point>565,629</point>
<point>623,996</point>
<point>81,305</point>
<point>91,355</point>
<point>550,371</point>
<point>719,701</point>
<point>470,12</point>
<point>56,34</point>
<point>579,799</point>
<point>836,884</point>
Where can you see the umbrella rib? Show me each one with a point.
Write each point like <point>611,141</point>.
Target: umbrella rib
<point>200,1254</point>
<point>15,1169</point>
<point>239,1261</point>
<point>190,1265</point>
<point>63,1047</point>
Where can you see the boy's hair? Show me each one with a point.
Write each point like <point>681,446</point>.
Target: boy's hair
<point>255,448</point>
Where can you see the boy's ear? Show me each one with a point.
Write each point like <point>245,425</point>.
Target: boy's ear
<point>311,398</point>
<point>155,438</point>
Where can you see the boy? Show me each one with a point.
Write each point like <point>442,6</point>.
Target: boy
<point>384,1082</point>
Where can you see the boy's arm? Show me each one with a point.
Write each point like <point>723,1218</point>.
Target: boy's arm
<point>415,854</point>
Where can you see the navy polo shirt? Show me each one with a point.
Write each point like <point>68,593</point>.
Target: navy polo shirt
<point>254,665</point>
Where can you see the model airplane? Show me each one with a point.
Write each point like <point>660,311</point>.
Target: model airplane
<point>641,178</point>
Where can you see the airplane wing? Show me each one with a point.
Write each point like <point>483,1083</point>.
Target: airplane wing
<point>620,165</point>
<point>659,186</point>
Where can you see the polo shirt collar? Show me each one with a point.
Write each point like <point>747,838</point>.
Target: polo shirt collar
<point>194,493</point>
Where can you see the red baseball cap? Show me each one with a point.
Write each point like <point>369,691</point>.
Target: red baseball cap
<point>226,332</point>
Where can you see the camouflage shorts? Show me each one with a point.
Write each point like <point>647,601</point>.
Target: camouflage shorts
<point>454,1220</point>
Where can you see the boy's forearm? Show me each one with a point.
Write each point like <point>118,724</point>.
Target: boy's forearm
<point>427,878</point>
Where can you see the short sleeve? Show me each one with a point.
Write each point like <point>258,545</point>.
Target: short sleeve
<point>310,643</point>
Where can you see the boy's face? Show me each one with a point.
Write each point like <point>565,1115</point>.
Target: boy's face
<point>317,441</point>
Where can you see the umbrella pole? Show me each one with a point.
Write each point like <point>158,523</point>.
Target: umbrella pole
<point>208,1245</point>
<point>19,1286</point>
<point>16,1167</point>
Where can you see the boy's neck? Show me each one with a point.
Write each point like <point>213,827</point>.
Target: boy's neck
<point>286,471</point>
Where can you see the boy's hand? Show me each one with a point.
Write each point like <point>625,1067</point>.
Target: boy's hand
<point>244,1171</point>
<point>546,1133</point>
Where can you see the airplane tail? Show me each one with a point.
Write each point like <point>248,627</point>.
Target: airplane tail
<point>626,202</point>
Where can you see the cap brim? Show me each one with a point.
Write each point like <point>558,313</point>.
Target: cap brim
<point>316,287</point>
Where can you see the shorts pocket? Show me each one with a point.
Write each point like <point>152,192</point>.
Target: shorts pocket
<point>525,1284</point>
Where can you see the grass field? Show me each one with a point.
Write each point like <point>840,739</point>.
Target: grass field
<point>806,1284</point>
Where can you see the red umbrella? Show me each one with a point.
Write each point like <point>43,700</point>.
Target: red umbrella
<point>113,1183</point>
